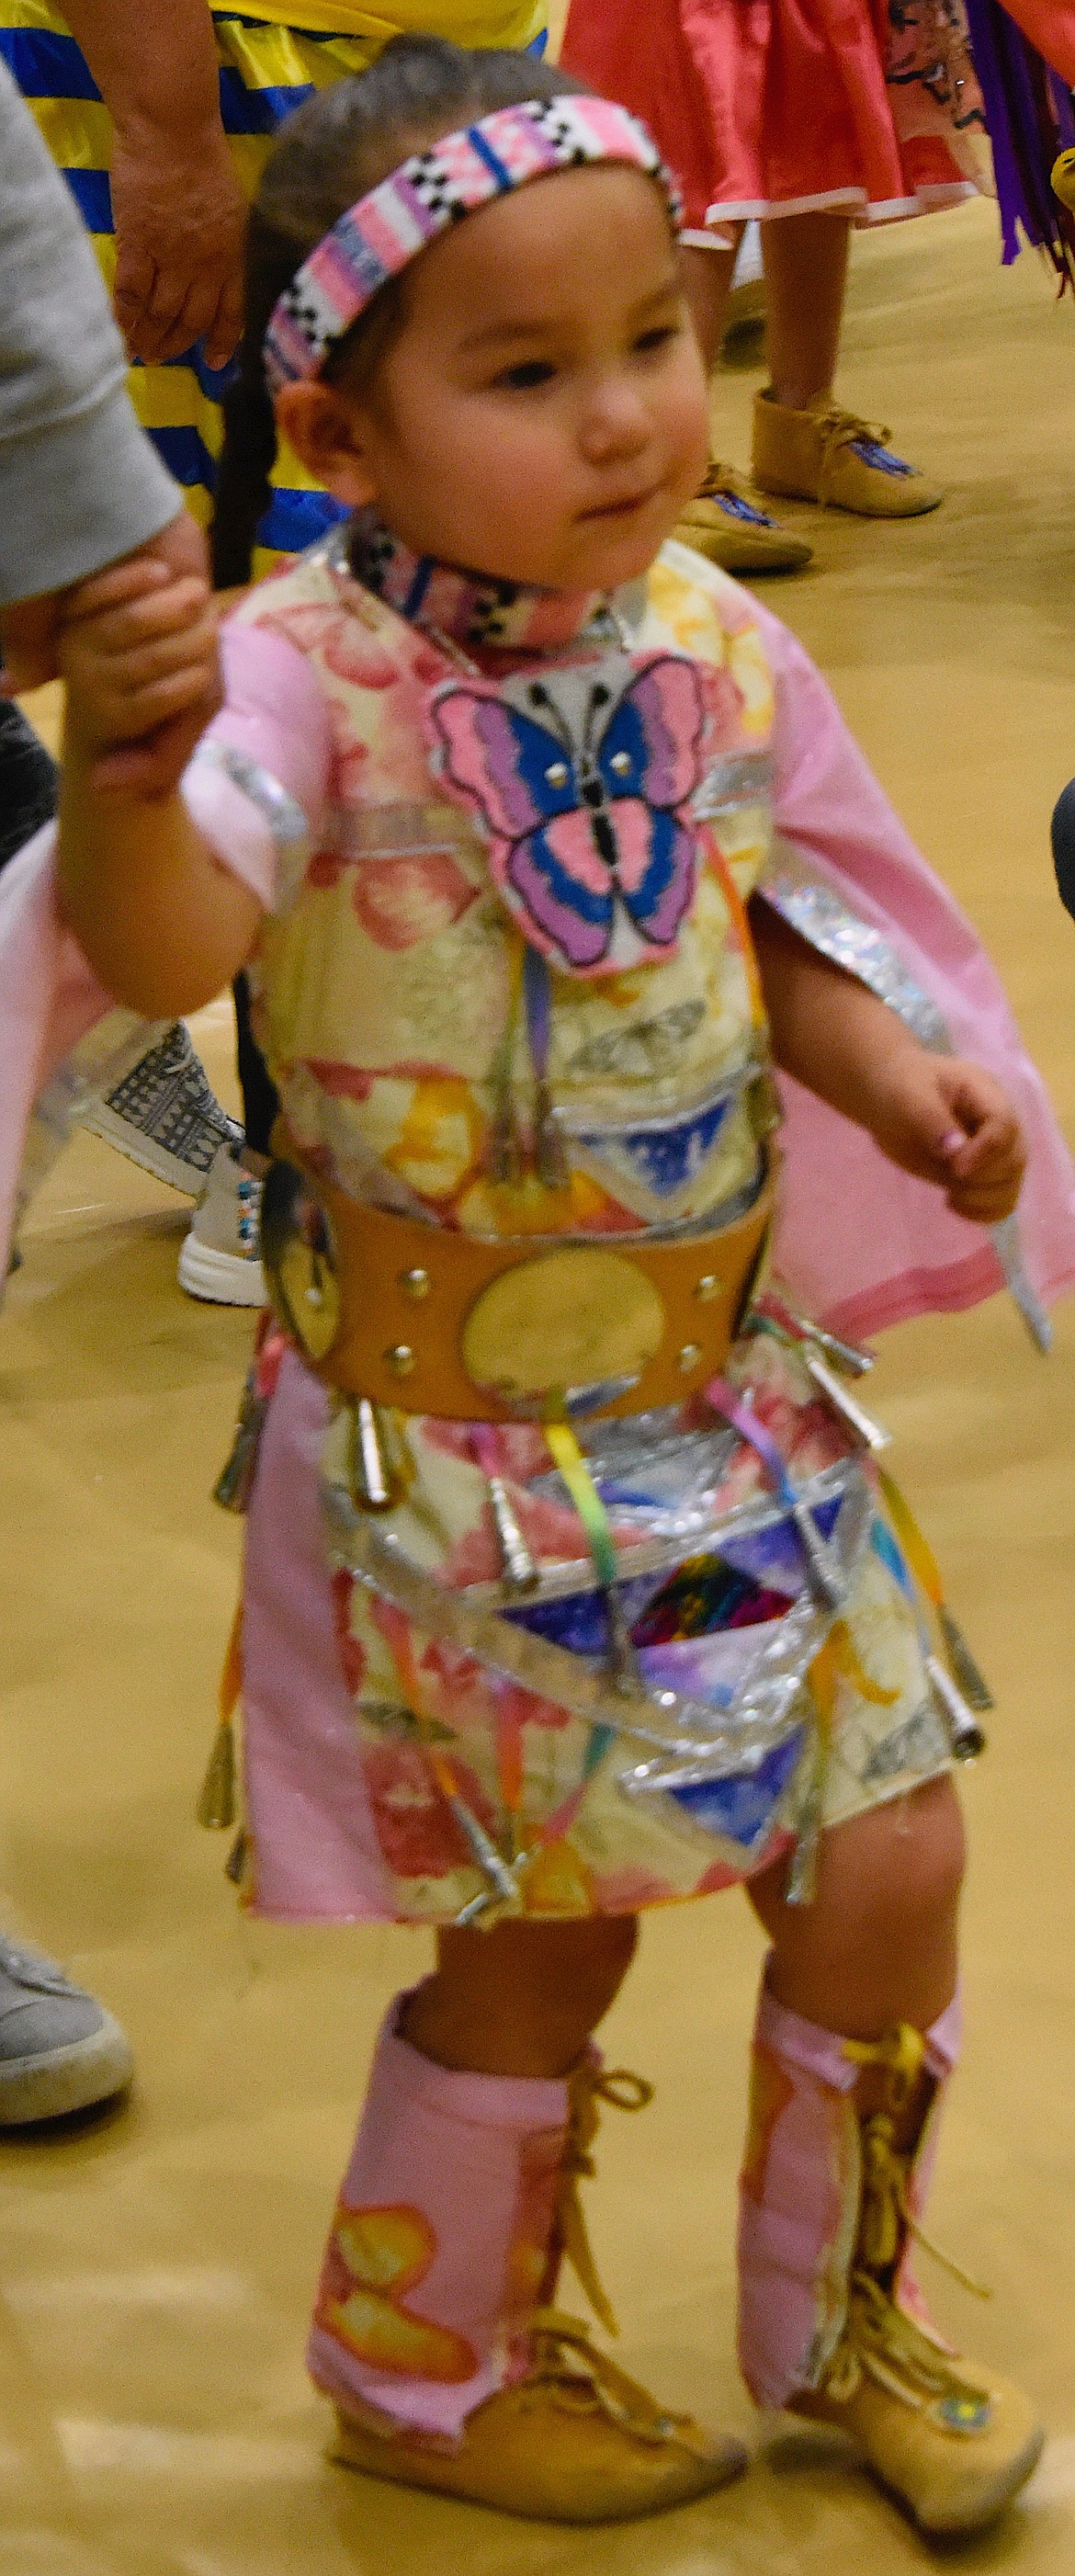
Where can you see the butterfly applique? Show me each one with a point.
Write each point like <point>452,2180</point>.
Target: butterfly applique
<point>582,782</point>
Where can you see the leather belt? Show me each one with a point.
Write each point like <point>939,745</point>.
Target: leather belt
<point>498,1330</point>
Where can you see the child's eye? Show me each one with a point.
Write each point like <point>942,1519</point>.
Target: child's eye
<point>529,372</point>
<point>660,336</point>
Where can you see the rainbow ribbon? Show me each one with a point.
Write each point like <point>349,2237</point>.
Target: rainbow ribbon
<point>824,1582</point>
<point>574,1468</point>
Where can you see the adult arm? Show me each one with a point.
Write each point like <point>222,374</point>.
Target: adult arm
<point>177,206</point>
<point>79,484</point>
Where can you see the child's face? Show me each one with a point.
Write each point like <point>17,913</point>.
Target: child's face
<point>542,416</point>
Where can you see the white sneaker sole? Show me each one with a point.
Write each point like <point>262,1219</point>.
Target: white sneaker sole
<point>66,2079</point>
<point>142,1149</point>
<point>220,1278</point>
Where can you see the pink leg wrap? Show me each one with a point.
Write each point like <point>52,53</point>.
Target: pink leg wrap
<point>799,2196</point>
<point>440,2245</point>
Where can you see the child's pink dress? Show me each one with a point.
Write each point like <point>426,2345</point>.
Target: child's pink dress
<point>786,107</point>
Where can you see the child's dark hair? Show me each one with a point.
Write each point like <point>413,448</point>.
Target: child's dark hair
<point>335,148</point>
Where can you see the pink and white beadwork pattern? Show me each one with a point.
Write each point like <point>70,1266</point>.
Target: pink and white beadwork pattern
<point>383,231</point>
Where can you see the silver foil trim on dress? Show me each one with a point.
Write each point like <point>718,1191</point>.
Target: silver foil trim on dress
<point>745,778</point>
<point>827,922</point>
<point>1009,1251</point>
<point>700,1531</point>
<point>283,817</point>
<point>688,1739</point>
<point>101,1060</point>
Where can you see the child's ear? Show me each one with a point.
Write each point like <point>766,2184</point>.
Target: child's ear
<point>326,434</point>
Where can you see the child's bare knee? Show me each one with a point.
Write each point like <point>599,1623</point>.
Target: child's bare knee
<point>900,1868</point>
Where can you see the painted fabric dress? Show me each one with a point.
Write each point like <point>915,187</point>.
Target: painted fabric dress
<point>726,1644</point>
<point>788,107</point>
<point>270,59</point>
<point>465,1027</point>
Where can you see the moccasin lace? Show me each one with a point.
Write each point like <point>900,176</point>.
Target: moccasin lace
<point>719,478</point>
<point>567,2368</point>
<point>839,429</point>
<point>880,2343</point>
<point>879,2340</point>
<point>588,2086</point>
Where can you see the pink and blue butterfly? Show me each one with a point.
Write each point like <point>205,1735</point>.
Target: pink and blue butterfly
<point>589,836</point>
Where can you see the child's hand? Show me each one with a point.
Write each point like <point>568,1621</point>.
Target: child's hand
<point>949,1121</point>
<point>138,650</point>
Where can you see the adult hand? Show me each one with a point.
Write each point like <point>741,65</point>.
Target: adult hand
<point>31,633</point>
<point>30,628</point>
<point>180,219</point>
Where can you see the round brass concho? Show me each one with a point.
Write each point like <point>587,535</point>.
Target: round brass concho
<point>299,1258</point>
<point>564,1321</point>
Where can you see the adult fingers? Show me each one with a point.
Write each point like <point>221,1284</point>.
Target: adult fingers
<point>132,299</point>
<point>133,626</point>
<point>225,331</point>
<point>30,632</point>
<point>135,577</point>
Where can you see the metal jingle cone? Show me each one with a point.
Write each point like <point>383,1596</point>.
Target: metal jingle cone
<point>520,1569</point>
<point>801,1885</point>
<point>369,1476</point>
<point>216,1802</point>
<point>501,1878</point>
<point>845,1355</point>
<point>235,1483</point>
<point>235,1864</point>
<point>864,1430</point>
<point>967,1674</point>
<point>549,1155</point>
<point>965,1735</point>
<point>825,1584</point>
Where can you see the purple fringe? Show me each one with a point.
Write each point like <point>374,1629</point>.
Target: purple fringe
<point>1030,119</point>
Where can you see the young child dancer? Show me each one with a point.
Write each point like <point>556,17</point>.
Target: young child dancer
<point>570,1584</point>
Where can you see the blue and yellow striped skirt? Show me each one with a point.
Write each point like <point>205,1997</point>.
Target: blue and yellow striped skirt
<point>266,69</point>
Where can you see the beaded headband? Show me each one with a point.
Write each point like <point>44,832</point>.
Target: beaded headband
<point>433,190</point>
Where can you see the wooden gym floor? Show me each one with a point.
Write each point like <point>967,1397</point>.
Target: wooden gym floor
<point>156,2267</point>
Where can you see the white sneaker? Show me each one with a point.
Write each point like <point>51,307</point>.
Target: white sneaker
<point>164,1116</point>
<point>221,1256</point>
<point>60,2050</point>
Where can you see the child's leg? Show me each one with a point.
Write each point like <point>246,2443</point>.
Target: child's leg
<point>857,2031</point>
<point>805,260</point>
<point>878,1945</point>
<point>707,277</point>
<point>458,2202</point>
